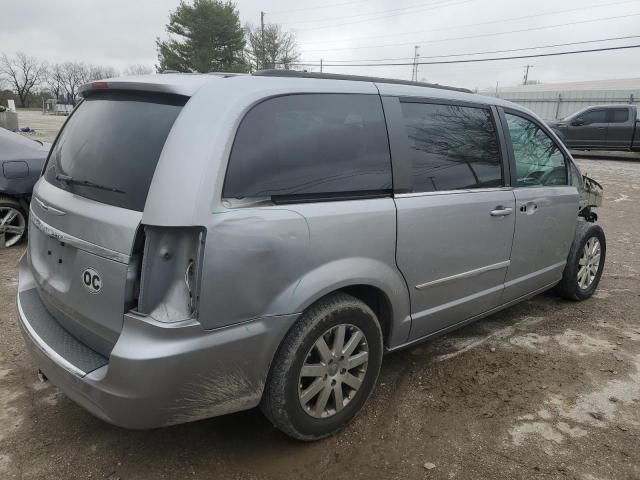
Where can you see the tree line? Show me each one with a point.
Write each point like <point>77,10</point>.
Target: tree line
<point>31,80</point>
<point>202,36</point>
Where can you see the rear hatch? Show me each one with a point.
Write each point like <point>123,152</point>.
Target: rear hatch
<point>87,209</point>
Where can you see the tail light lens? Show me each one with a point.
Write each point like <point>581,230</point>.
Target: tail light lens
<point>171,272</point>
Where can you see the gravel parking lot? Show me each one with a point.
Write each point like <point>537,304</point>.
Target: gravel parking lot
<point>548,388</point>
<point>45,127</point>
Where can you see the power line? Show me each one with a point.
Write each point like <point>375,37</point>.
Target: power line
<point>284,12</point>
<point>490,22</point>
<point>379,12</point>
<point>384,17</point>
<point>475,60</point>
<point>481,35</point>
<point>628,37</point>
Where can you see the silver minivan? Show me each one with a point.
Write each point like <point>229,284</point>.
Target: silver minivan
<point>204,244</point>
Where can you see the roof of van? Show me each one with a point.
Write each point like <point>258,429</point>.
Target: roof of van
<point>188,84</point>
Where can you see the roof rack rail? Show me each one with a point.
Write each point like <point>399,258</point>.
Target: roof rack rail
<point>225,74</point>
<point>356,78</point>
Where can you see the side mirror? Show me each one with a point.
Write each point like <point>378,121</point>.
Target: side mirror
<point>577,122</point>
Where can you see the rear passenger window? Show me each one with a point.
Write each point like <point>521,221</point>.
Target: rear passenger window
<point>539,161</point>
<point>619,115</point>
<point>310,145</point>
<point>452,147</point>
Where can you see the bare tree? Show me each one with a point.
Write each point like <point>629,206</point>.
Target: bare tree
<point>75,74</point>
<point>24,73</point>
<point>138,69</point>
<point>273,49</point>
<point>100,72</point>
<point>53,80</point>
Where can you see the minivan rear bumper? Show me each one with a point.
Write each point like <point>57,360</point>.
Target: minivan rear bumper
<point>157,374</point>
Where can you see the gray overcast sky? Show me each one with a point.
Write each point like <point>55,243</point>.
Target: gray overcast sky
<point>123,32</point>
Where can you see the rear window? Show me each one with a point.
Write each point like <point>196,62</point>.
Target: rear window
<point>113,140</point>
<point>310,145</point>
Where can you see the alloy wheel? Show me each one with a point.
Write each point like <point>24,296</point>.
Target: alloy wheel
<point>12,226</point>
<point>333,371</point>
<point>589,263</point>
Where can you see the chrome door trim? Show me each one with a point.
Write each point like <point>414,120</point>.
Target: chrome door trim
<point>52,232</point>
<point>468,274</point>
<point>50,352</point>
<point>452,192</point>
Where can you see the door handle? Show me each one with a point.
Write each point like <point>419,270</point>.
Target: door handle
<point>501,211</point>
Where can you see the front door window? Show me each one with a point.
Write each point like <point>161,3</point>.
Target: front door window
<point>539,161</point>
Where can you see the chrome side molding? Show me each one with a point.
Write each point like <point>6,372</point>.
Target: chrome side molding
<point>470,273</point>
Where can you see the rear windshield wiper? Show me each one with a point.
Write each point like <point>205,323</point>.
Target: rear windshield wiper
<point>86,183</point>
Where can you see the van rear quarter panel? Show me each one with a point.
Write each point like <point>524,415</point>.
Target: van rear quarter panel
<point>277,260</point>
<point>269,260</point>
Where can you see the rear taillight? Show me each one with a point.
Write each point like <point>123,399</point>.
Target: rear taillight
<point>170,274</point>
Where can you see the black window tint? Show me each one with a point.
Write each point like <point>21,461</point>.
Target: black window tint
<point>114,139</point>
<point>538,159</point>
<point>452,147</point>
<point>594,116</point>
<point>310,144</point>
<point>619,115</point>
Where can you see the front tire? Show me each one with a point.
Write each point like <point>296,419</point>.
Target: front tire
<point>325,369</point>
<point>585,263</point>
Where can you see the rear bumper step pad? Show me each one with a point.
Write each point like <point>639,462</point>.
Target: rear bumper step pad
<point>51,337</point>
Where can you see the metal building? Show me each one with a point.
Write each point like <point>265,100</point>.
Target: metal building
<point>557,100</point>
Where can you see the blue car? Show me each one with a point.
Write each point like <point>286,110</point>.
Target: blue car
<point>21,161</point>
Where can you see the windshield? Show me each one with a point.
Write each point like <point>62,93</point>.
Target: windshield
<point>113,140</point>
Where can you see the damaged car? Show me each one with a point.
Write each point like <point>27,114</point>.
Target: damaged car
<point>21,161</point>
<point>183,264</point>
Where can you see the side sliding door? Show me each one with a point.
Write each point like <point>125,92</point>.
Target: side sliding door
<point>456,215</point>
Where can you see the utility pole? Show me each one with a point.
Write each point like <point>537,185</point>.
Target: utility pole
<point>320,65</point>
<point>414,71</point>
<point>526,73</point>
<point>262,38</point>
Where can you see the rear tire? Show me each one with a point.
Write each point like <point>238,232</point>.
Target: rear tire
<point>585,263</point>
<point>312,391</point>
<point>13,222</point>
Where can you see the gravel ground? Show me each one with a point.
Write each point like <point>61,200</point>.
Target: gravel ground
<point>547,389</point>
<point>45,126</point>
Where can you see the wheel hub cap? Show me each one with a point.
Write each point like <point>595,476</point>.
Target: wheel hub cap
<point>333,371</point>
<point>589,263</point>
<point>12,226</point>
